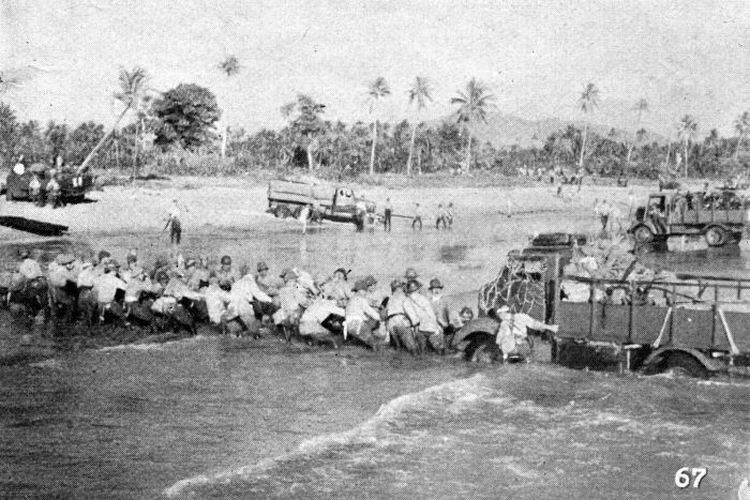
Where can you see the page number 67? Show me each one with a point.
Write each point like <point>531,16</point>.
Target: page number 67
<point>684,476</point>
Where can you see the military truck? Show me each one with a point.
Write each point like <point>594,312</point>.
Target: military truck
<point>719,216</point>
<point>336,203</point>
<point>73,184</point>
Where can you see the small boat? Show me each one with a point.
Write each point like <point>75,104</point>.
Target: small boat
<point>32,226</point>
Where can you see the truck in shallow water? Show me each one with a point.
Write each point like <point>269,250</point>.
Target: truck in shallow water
<point>720,217</point>
<point>337,203</point>
<point>697,325</point>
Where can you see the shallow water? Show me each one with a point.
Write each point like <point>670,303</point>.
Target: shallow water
<point>226,418</point>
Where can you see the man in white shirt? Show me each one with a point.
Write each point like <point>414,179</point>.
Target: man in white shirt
<point>244,293</point>
<point>512,336</point>
<point>361,318</point>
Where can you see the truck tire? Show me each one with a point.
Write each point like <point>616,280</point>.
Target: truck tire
<point>643,234</point>
<point>715,236</point>
<point>682,364</point>
<point>281,211</point>
<point>9,195</point>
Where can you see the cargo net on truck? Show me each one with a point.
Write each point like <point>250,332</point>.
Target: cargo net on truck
<point>520,285</point>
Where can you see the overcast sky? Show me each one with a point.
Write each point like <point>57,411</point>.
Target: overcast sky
<point>683,57</point>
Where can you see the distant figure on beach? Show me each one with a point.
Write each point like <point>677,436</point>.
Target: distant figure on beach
<point>174,224</point>
<point>449,214</point>
<point>417,217</point>
<point>387,214</point>
<point>304,215</point>
<point>440,217</point>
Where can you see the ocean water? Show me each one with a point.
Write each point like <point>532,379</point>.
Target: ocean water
<point>211,417</point>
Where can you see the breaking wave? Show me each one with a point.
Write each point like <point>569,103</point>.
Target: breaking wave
<point>460,392</point>
<point>507,431</point>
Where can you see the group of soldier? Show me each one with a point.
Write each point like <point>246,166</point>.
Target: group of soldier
<point>179,294</point>
<point>41,192</point>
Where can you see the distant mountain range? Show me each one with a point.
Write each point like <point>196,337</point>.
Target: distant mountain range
<point>508,130</point>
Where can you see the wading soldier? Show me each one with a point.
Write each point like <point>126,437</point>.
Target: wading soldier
<point>174,224</point>
<point>421,314</point>
<point>417,217</point>
<point>387,214</point>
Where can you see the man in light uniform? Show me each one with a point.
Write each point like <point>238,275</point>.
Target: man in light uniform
<point>398,323</point>
<point>512,337</point>
<point>421,314</point>
<point>361,318</point>
<point>106,288</point>
<point>314,320</point>
<point>244,293</point>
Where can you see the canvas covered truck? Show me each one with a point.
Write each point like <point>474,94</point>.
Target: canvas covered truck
<point>336,203</point>
<point>527,283</point>
<point>720,217</point>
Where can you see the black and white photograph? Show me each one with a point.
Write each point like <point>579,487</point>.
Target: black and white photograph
<point>375,249</point>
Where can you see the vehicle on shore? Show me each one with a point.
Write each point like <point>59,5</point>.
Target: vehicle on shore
<point>336,203</point>
<point>699,327</point>
<point>720,217</point>
<point>74,185</point>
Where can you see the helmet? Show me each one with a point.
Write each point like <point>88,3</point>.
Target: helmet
<point>413,286</point>
<point>360,284</point>
<point>370,280</point>
<point>343,271</point>
<point>397,283</point>
<point>411,274</point>
<point>190,262</point>
<point>289,274</point>
<point>262,266</point>
<point>226,260</point>
<point>435,283</point>
<point>104,255</point>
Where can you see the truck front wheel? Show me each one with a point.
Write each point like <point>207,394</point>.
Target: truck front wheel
<point>643,235</point>
<point>281,211</point>
<point>715,236</point>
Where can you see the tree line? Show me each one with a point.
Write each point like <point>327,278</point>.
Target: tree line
<point>164,128</point>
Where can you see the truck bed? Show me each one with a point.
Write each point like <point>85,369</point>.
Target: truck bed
<point>688,327</point>
<point>300,192</point>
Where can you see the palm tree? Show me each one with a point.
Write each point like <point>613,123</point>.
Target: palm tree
<point>742,126</point>
<point>640,107</point>
<point>230,67</point>
<point>131,94</point>
<point>587,103</point>
<point>420,92</point>
<point>376,90</point>
<point>473,104</point>
<point>685,130</point>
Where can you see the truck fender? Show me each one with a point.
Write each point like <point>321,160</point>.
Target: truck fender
<point>648,223</point>
<point>477,325</point>
<point>716,224</point>
<point>662,353</point>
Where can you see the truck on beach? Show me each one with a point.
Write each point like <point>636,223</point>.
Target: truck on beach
<point>337,203</point>
<point>696,325</point>
<point>74,185</point>
<point>720,217</point>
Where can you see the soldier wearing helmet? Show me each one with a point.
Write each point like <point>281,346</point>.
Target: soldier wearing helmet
<point>440,306</point>
<point>227,274</point>
<point>419,310</point>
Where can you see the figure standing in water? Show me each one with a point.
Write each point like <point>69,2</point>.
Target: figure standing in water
<point>174,224</point>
